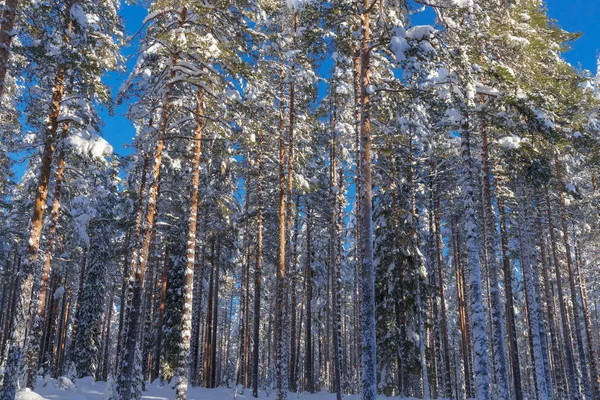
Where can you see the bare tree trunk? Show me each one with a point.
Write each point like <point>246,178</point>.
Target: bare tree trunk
<point>533,308</point>
<point>440,262</point>
<point>130,267</point>
<point>127,368</point>
<point>369,344</point>
<point>588,322</point>
<point>24,285</point>
<point>497,328</point>
<point>34,358</point>
<point>576,316</point>
<point>242,373</point>
<point>566,331</point>
<point>480,363</point>
<point>280,290</point>
<point>462,311</point>
<point>161,314</point>
<point>308,350</point>
<point>208,337</point>
<point>257,271</point>
<point>510,315</point>
<point>183,368</point>
<point>105,366</point>
<point>558,377</point>
<point>215,319</point>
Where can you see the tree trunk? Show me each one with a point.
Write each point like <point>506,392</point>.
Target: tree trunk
<point>368,343</point>
<point>24,285</point>
<point>533,308</point>
<point>36,336</point>
<point>440,264</point>
<point>480,364</point>
<point>280,356</point>
<point>462,311</point>
<point>105,366</point>
<point>510,315</point>
<point>588,323</point>
<point>126,375</point>
<point>185,356</point>
<point>257,271</point>
<point>497,328</point>
<point>576,315</point>
<point>308,351</point>
<point>130,267</point>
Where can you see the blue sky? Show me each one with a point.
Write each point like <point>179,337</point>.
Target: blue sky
<point>573,15</point>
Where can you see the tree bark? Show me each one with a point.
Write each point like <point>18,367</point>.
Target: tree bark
<point>510,314</point>
<point>127,369</point>
<point>480,363</point>
<point>566,331</point>
<point>24,285</point>
<point>257,271</point>
<point>497,328</point>
<point>183,368</point>
<point>368,343</point>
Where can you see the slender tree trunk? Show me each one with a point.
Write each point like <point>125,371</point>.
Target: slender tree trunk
<point>208,336</point>
<point>480,364</point>
<point>36,336</point>
<point>463,314</point>
<point>510,315</point>
<point>497,328</point>
<point>566,331</point>
<point>293,374</point>
<point>215,319</point>
<point>241,373</point>
<point>308,350</point>
<point>105,366</point>
<point>130,267</point>
<point>440,263</point>
<point>185,357</point>
<point>533,308</point>
<point>576,315</point>
<point>24,285</point>
<point>126,375</point>
<point>161,314</point>
<point>588,323</point>
<point>368,343</point>
<point>257,272</point>
<point>281,292</point>
<point>197,310</point>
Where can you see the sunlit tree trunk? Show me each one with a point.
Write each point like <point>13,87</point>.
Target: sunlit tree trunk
<point>24,286</point>
<point>183,368</point>
<point>128,362</point>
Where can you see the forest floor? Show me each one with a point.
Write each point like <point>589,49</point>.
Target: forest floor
<point>87,389</point>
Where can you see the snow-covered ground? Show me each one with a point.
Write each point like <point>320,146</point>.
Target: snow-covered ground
<point>87,389</point>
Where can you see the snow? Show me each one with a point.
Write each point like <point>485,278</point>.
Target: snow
<point>87,389</point>
<point>78,15</point>
<point>510,142</point>
<point>233,95</point>
<point>59,292</point>
<point>296,4</point>
<point>399,45</point>
<point>27,394</point>
<point>420,32</point>
<point>88,143</point>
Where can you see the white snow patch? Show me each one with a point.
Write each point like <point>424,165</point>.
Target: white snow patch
<point>510,142</point>
<point>88,143</point>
